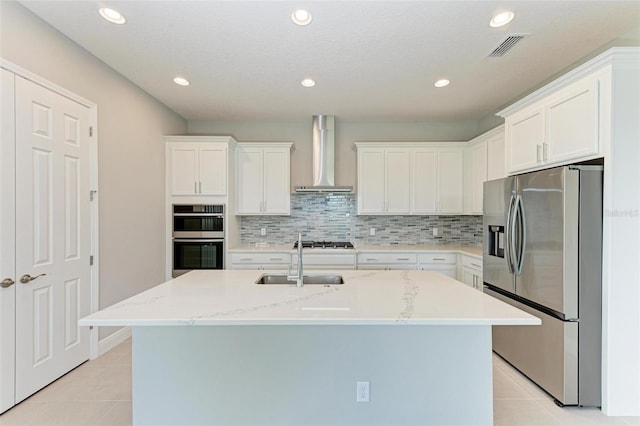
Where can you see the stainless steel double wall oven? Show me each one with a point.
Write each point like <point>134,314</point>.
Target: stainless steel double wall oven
<point>198,237</point>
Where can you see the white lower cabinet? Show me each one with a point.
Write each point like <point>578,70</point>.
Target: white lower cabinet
<point>338,261</point>
<point>387,261</point>
<point>443,262</point>
<point>252,260</point>
<point>471,272</point>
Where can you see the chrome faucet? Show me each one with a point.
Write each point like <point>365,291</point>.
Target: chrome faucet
<point>298,277</point>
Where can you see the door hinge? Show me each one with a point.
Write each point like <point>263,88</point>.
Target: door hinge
<point>91,260</point>
<point>90,131</point>
<point>92,194</point>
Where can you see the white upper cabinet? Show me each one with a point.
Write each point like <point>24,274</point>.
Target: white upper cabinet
<point>409,178</point>
<point>384,179</point>
<point>197,165</point>
<point>496,167</point>
<point>263,183</point>
<point>559,125</point>
<point>424,194</point>
<point>450,182</point>
<point>484,160</point>
<point>572,122</point>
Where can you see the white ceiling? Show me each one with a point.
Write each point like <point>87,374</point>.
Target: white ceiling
<point>372,60</point>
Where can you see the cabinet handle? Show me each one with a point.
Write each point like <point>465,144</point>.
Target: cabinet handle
<point>402,258</point>
<point>476,265</point>
<point>538,148</point>
<point>544,151</point>
<point>195,187</point>
<point>199,187</point>
<point>372,260</point>
<point>246,259</point>
<point>275,258</point>
<point>439,258</point>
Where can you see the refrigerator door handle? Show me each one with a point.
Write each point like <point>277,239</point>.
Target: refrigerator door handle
<point>522,240</point>
<point>509,236</point>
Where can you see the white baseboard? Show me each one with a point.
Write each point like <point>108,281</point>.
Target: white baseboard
<point>113,340</point>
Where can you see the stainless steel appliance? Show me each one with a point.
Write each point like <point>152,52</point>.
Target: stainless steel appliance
<point>543,254</point>
<point>325,244</point>
<point>198,237</point>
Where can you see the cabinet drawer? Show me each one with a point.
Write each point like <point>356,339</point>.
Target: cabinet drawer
<point>472,263</point>
<point>327,259</point>
<point>260,258</point>
<point>438,258</point>
<point>386,258</point>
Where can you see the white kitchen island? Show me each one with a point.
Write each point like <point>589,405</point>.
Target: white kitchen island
<point>214,348</point>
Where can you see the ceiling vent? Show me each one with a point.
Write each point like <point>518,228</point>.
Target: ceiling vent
<point>506,44</point>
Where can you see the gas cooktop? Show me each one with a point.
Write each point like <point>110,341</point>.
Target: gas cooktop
<point>325,244</point>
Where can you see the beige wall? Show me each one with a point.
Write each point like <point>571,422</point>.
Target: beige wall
<point>346,133</point>
<point>131,150</point>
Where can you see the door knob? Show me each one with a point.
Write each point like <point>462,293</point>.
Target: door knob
<point>26,278</point>
<point>7,282</point>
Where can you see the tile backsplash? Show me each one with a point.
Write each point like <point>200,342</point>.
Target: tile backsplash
<point>328,216</point>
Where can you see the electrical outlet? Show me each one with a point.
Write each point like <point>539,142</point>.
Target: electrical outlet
<point>263,231</point>
<point>372,231</point>
<point>435,232</point>
<point>362,391</point>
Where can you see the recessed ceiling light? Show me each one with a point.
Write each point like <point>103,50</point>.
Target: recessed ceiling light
<point>442,82</point>
<point>502,18</point>
<point>301,17</point>
<point>307,82</point>
<point>181,81</point>
<point>112,15</point>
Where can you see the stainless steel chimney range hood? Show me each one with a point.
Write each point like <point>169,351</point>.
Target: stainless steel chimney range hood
<point>323,157</point>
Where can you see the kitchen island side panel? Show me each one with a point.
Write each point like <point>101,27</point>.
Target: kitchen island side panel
<point>306,375</point>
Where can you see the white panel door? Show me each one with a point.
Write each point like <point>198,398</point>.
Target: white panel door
<point>250,185</point>
<point>7,242</point>
<point>572,122</point>
<point>478,175</point>
<point>52,235</point>
<point>450,181</point>
<point>276,181</point>
<point>496,167</point>
<point>184,170</point>
<point>525,139</point>
<point>212,167</point>
<point>398,179</point>
<point>425,182</point>
<point>371,181</point>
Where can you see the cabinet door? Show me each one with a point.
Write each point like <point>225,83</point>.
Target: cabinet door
<point>425,181</point>
<point>524,139</point>
<point>572,122</point>
<point>468,277</point>
<point>398,181</point>
<point>250,196</point>
<point>212,164</point>
<point>450,181</point>
<point>371,181</point>
<point>184,170</point>
<point>478,175</point>
<point>496,168</point>
<point>276,181</point>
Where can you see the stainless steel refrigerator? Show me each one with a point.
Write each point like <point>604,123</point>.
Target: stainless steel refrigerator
<point>543,254</point>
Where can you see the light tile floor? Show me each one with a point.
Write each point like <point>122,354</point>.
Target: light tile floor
<point>99,393</point>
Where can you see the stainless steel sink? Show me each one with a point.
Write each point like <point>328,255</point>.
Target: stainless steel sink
<point>326,279</point>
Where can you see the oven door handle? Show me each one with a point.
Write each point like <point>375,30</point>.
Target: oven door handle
<point>198,240</point>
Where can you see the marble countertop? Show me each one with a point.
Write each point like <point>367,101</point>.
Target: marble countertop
<point>231,297</point>
<point>468,250</point>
